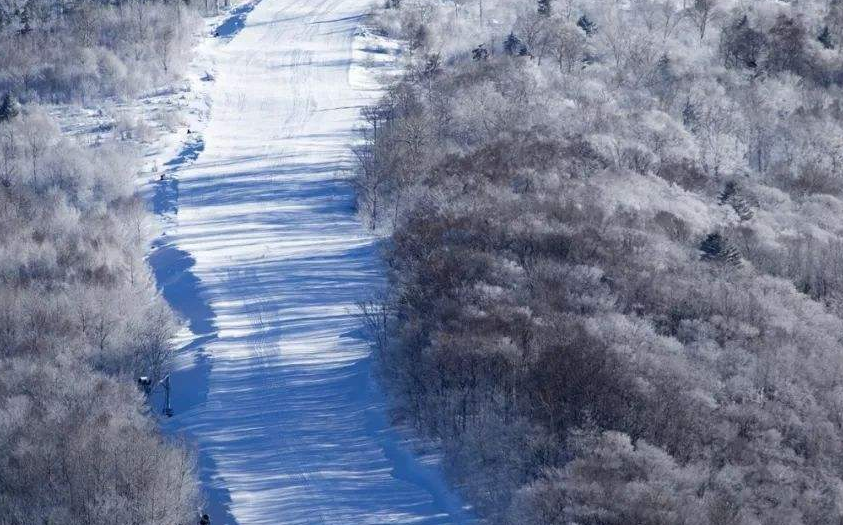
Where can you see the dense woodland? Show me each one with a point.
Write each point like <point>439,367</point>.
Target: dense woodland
<point>80,317</point>
<point>82,50</point>
<point>616,255</point>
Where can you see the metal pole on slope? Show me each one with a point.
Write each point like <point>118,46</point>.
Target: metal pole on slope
<point>168,410</point>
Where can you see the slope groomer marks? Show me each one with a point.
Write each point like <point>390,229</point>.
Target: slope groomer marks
<point>265,257</point>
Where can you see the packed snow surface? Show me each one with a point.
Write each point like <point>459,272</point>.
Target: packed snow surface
<point>265,258</point>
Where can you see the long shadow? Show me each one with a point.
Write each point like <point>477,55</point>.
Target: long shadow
<point>235,22</point>
<point>338,63</point>
<point>343,19</point>
<point>190,152</point>
<point>181,288</point>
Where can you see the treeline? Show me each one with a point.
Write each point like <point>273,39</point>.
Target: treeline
<point>80,319</point>
<point>70,51</point>
<point>615,256</point>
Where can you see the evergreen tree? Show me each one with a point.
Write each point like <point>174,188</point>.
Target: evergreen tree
<point>9,108</point>
<point>419,37</point>
<point>663,65</point>
<point>732,196</point>
<point>545,7</point>
<point>587,25</point>
<point>825,38</point>
<point>512,45</point>
<point>689,116</point>
<point>664,70</point>
<point>742,207</point>
<point>663,83</point>
<point>25,16</point>
<point>716,248</point>
<point>728,192</point>
<point>480,53</point>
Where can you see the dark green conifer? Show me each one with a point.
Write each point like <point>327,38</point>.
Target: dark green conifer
<point>716,248</point>
<point>587,25</point>
<point>9,108</point>
<point>512,45</point>
<point>825,38</point>
<point>480,53</point>
<point>733,196</point>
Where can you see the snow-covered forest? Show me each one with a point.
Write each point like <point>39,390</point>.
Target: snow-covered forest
<point>615,255</point>
<point>79,320</point>
<point>59,51</point>
<point>80,317</point>
<point>613,233</point>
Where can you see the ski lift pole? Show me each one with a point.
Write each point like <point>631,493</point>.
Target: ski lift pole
<point>168,410</point>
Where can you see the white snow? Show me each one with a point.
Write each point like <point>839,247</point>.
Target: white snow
<point>266,260</point>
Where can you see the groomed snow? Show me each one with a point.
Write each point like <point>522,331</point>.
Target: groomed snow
<point>265,258</point>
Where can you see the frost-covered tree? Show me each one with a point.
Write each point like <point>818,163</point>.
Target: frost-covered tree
<point>702,12</point>
<point>741,45</point>
<point>567,46</point>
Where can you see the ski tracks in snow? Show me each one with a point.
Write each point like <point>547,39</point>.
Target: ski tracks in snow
<point>289,428</point>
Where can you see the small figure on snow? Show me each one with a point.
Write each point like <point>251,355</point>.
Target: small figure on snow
<point>205,520</point>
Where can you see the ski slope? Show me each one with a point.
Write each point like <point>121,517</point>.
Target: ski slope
<point>263,255</point>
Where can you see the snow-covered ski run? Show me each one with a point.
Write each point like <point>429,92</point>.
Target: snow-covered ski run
<point>265,258</point>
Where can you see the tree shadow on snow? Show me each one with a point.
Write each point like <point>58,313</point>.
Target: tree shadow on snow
<point>235,22</point>
<point>181,288</point>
